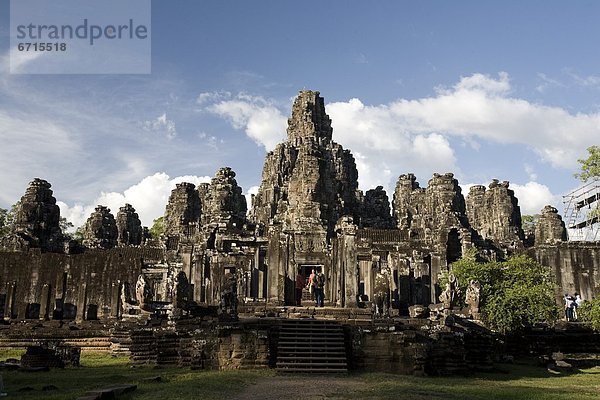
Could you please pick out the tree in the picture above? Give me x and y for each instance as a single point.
(65, 225)
(6, 220)
(589, 312)
(590, 167)
(515, 294)
(158, 227)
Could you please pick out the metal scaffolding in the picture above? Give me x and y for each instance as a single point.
(583, 223)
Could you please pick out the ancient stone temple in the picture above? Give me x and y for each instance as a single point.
(308, 215)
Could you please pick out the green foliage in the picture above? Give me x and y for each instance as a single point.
(65, 225)
(78, 235)
(158, 227)
(589, 312)
(514, 294)
(590, 167)
(6, 220)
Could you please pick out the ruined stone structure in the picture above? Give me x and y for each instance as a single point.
(129, 227)
(36, 223)
(308, 215)
(100, 230)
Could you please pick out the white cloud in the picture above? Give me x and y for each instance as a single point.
(415, 135)
(530, 171)
(477, 107)
(149, 197)
(212, 97)
(262, 121)
(533, 197)
(162, 124)
(252, 190)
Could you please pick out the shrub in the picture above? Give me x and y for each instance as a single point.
(515, 294)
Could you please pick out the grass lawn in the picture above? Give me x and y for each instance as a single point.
(98, 371)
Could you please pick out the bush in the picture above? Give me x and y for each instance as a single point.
(589, 312)
(515, 294)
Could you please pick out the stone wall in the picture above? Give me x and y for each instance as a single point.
(576, 266)
(38, 285)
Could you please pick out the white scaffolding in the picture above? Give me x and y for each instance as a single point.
(582, 225)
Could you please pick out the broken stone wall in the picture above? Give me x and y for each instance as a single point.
(39, 285)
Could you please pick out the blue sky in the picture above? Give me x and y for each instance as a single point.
(485, 90)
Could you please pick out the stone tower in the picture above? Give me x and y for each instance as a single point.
(495, 214)
(184, 208)
(222, 200)
(100, 230)
(550, 228)
(129, 227)
(308, 181)
(37, 217)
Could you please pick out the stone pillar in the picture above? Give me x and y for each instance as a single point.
(81, 302)
(115, 299)
(11, 294)
(45, 302)
(436, 268)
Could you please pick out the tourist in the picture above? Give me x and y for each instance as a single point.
(577, 300)
(569, 301)
(300, 283)
(312, 284)
(320, 289)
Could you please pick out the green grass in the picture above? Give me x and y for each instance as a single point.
(98, 371)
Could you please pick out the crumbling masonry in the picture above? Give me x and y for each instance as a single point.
(308, 215)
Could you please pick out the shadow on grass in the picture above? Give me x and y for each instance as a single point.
(512, 381)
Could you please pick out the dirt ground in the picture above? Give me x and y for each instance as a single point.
(300, 387)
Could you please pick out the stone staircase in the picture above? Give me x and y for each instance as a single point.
(311, 346)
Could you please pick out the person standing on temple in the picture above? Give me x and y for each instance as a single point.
(300, 283)
(312, 284)
(320, 289)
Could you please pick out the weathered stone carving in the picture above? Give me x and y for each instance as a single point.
(473, 298)
(143, 292)
(550, 228)
(381, 293)
(129, 227)
(376, 210)
(451, 294)
(228, 304)
(36, 220)
(183, 209)
(223, 201)
(100, 230)
(309, 181)
(495, 214)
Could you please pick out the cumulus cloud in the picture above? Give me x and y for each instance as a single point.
(533, 197)
(260, 118)
(415, 135)
(149, 198)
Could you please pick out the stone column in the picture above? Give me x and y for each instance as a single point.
(45, 302)
(115, 299)
(9, 306)
(81, 302)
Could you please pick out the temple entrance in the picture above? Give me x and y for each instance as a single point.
(453, 247)
(306, 269)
